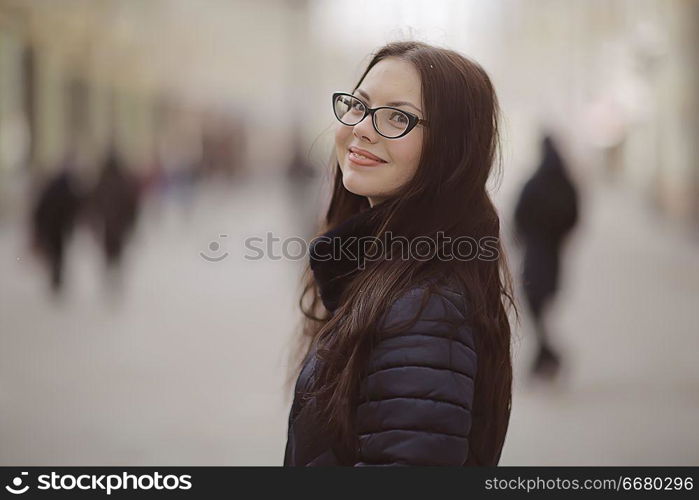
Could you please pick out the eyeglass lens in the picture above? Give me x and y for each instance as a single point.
(389, 122)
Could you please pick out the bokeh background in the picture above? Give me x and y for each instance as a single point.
(219, 114)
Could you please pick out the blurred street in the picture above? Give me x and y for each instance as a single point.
(626, 321)
(148, 148)
(152, 377)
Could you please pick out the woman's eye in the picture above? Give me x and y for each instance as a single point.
(357, 106)
(399, 118)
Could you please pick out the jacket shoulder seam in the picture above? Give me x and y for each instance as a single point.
(420, 366)
(461, 406)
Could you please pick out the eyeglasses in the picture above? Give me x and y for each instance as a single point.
(391, 123)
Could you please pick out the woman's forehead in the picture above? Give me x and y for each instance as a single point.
(392, 79)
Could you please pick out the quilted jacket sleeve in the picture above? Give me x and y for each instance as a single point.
(415, 401)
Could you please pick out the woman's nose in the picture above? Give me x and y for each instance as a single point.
(365, 130)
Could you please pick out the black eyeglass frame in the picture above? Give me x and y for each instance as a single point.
(413, 120)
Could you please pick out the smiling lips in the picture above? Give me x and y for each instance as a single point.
(363, 157)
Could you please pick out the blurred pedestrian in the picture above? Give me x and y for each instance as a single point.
(302, 186)
(53, 218)
(546, 212)
(113, 209)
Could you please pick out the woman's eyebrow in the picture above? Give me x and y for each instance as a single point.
(393, 103)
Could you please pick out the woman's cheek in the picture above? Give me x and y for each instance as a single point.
(341, 136)
(407, 155)
(342, 142)
(415, 151)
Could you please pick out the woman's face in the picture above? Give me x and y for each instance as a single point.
(391, 80)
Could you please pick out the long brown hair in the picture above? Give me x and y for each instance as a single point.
(448, 194)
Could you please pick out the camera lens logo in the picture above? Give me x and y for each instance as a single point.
(214, 247)
(16, 488)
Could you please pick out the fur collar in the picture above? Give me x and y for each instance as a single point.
(335, 256)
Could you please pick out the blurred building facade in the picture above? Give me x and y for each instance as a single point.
(174, 83)
(618, 79)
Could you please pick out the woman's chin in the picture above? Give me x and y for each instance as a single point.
(356, 186)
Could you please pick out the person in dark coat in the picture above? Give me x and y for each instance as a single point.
(405, 354)
(114, 209)
(418, 394)
(546, 212)
(53, 219)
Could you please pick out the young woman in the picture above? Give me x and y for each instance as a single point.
(406, 334)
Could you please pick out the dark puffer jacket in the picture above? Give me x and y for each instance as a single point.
(415, 403)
